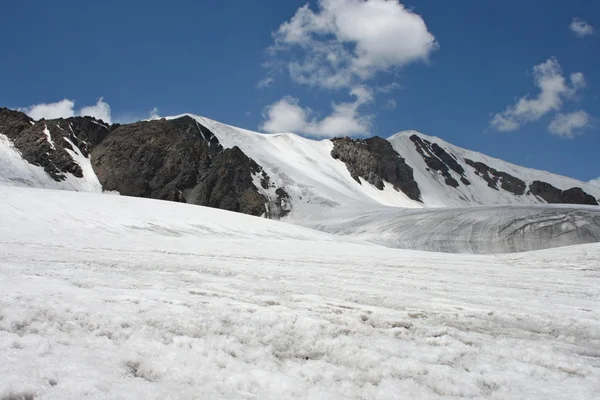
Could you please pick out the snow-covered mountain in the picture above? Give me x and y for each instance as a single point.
(357, 188)
(445, 175)
(197, 160)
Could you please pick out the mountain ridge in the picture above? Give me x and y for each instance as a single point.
(193, 159)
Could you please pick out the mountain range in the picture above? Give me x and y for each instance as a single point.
(373, 188)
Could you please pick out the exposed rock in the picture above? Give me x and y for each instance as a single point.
(447, 158)
(45, 142)
(552, 194)
(376, 161)
(227, 184)
(426, 149)
(492, 177)
(178, 160)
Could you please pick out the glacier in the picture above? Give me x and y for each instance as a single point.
(118, 297)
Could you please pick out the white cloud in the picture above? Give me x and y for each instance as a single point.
(595, 182)
(554, 89)
(60, 109)
(581, 28)
(101, 110)
(391, 104)
(565, 125)
(286, 115)
(346, 42)
(66, 109)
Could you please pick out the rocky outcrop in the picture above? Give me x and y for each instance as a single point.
(554, 195)
(492, 177)
(439, 160)
(177, 160)
(45, 142)
(376, 161)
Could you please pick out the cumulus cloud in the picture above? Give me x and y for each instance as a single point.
(595, 182)
(342, 44)
(567, 125)
(349, 40)
(66, 109)
(60, 109)
(581, 28)
(554, 89)
(286, 115)
(101, 110)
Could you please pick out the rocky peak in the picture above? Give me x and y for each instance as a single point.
(178, 160)
(376, 161)
(47, 143)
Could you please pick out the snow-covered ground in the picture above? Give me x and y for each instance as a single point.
(114, 297)
(479, 230)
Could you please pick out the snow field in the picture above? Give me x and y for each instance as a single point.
(116, 297)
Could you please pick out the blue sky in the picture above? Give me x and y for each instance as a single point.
(518, 80)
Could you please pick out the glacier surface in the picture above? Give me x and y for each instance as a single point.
(114, 297)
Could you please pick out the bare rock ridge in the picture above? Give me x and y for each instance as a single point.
(442, 161)
(45, 142)
(376, 161)
(437, 159)
(492, 177)
(178, 160)
(554, 195)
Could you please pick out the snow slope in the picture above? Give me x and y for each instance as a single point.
(319, 184)
(436, 193)
(316, 182)
(479, 230)
(116, 297)
(15, 171)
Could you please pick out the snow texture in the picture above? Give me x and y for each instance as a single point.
(479, 230)
(120, 298)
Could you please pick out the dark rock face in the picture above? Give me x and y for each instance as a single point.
(552, 194)
(439, 160)
(492, 177)
(45, 142)
(375, 160)
(177, 160)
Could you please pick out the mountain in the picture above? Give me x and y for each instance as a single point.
(196, 160)
(372, 189)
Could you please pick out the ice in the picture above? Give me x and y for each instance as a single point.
(480, 230)
(117, 297)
